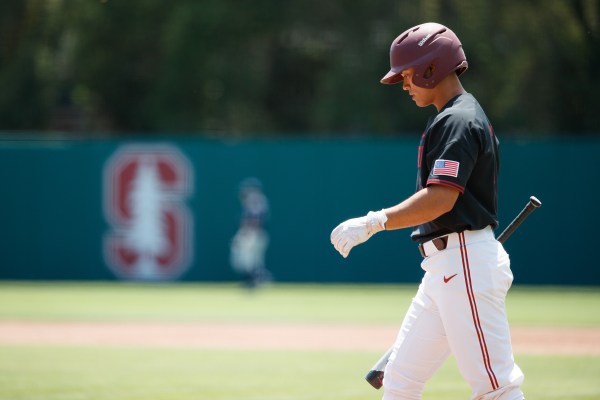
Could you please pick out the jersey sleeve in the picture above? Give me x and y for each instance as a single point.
(453, 160)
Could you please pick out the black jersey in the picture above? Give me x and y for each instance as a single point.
(459, 150)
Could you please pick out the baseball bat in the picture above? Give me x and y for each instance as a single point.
(375, 375)
(532, 204)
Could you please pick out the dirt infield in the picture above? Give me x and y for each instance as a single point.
(526, 340)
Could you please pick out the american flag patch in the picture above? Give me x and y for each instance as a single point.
(446, 167)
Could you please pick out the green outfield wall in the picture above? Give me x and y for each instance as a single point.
(93, 209)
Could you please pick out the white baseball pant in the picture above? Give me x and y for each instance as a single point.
(459, 309)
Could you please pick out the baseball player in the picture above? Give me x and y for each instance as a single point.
(459, 306)
(249, 245)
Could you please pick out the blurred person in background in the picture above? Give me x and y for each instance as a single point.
(249, 244)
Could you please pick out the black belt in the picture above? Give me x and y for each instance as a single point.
(440, 243)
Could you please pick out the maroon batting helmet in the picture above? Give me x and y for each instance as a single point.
(424, 46)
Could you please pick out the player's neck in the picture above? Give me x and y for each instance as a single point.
(447, 89)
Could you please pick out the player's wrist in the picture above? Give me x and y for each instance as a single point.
(376, 221)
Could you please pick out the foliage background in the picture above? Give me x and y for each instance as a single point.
(266, 67)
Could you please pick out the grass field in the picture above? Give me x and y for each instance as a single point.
(68, 372)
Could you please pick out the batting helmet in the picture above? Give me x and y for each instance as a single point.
(433, 50)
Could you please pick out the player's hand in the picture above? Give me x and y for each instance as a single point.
(356, 231)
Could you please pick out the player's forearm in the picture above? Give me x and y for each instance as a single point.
(424, 206)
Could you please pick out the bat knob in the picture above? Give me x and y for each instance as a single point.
(375, 378)
(534, 200)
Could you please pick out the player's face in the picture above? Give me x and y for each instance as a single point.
(422, 97)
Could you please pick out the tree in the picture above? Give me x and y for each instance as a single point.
(234, 68)
(147, 233)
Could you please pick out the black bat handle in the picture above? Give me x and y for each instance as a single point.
(529, 208)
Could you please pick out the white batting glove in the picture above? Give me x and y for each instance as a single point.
(356, 231)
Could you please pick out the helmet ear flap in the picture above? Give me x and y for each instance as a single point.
(429, 71)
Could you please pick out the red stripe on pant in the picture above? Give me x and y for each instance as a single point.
(474, 312)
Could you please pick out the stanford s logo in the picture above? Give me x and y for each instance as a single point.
(151, 229)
